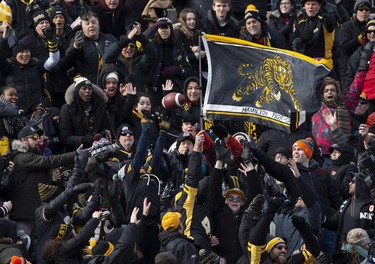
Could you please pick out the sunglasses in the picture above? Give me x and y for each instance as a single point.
(34, 137)
(129, 133)
(370, 31)
(362, 103)
(364, 9)
(234, 199)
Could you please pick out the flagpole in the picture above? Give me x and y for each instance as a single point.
(200, 80)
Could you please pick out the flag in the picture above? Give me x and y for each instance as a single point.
(268, 86)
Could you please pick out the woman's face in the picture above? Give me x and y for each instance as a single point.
(85, 93)
(144, 103)
(10, 95)
(285, 6)
(164, 32)
(191, 21)
(23, 57)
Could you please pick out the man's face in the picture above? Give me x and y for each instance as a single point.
(335, 154)
(126, 140)
(42, 25)
(254, 27)
(234, 202)
(281, 158)
(221, 10)
(299, 155)
(23, 57)
(329, 92)
(186, 146)
(10, 95)
(278, 254)
(312, 8)
(112, 4)
(361, 107)
(59, 21)
(370, 33)
(91, 28)
(363, 13)
(85, 93)
(110, 87)
(31, 141)
(192, 91)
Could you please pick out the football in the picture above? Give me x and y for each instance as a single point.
(173, 100)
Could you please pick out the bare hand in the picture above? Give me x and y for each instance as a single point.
(132, 33)
(246, 167)
(214, 241)
(330, 119)
(146, 207)
(128, 89)
(199, 139)
(168, 85)
(133, 217)
(10, 166)
(293, 167)
(96, 214)
(137, 26)
(363, 130)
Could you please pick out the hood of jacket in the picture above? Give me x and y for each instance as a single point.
(97, 94)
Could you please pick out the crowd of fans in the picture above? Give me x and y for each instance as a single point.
(95, 169)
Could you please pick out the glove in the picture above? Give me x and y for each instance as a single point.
(256, 204)
(366, 56)
(169, 71)
(146, 124)
(362, 39)
(183, 156)
(221, 151)
(306, 34)
(164, 123)
(123, 41)
(81, 188)
(298, 222)
(254, 146)
(87, 141)
(147, 114)
(220, 131)
(78, 39)
(81, 158)
(246, 153)
(49, 33)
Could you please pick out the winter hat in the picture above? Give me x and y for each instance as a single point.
(112, 75)
(252, 12)
(370, 23)
(304, 1)
(102, 149)
(56, 10)
(8, 229)
(184, 136)
(17, 260)
(165, 258)
(39, 16)
(47, 192)
(123, 130)
(170, 221)
(208, 257)
(371, 129)
(102, 248)
(80, 81)
(358, 236)
(65, 173)
(307, 145)
(360, 3)
(370, 120)
(164, 22)
(273, 241)
(28, 131)
(283, 151)
(234, 191)
(20, 47)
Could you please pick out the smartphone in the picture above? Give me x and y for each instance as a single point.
(11, 38)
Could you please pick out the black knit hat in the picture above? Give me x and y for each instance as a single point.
(56, 10)
(283, 151)
(39, 16)
(184, 136)
(252, 12)
(20, 47)
(360, 3)
(165, 258)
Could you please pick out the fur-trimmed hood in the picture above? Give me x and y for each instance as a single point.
(70, 93)
(19, 146)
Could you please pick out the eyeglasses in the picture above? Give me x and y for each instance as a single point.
(34, 137)
(362, 102)
(234, 199)
(129, 133)
(370, 31)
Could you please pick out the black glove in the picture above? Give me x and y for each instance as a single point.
(164, 122)
(298, 222)
(365, 56)
(220, 131)
(123, 42)
(78, 39)
(87, 141)
(306, 34)
(183, 156)
(253, 146)
(221, 151)
(256, 204)
(81, 188)
(49, 33)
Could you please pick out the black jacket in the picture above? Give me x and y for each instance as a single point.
(210, 25)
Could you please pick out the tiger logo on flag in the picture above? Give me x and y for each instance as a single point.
(273, 75)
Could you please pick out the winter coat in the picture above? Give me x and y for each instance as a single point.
(31, 168)
(284, 24)
(7, 250)
(179, 246)
(75, 124)
(349, 33)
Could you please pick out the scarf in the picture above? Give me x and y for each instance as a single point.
(343, 121)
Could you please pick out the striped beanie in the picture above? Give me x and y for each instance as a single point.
(47, 192)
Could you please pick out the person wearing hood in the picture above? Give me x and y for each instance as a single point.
(113, 17)
(283, 18)
(355, 212)
(258, 31)
(85, 114)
